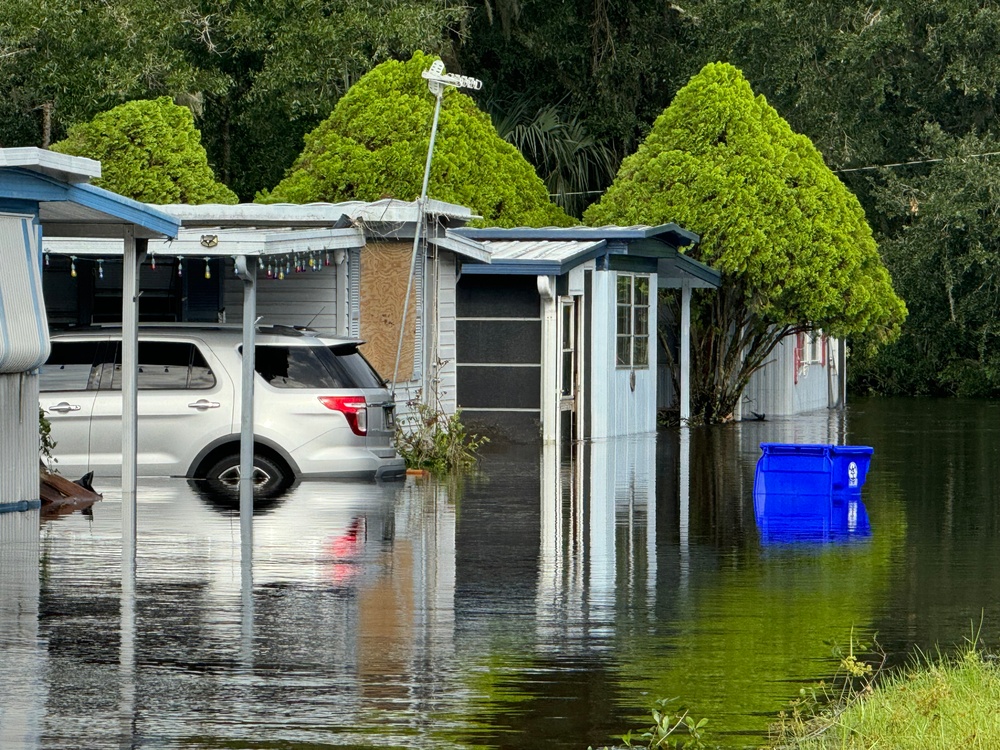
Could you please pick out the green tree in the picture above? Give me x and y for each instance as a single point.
(286, 63)
(150, 151)
(63, 61)
(943, 251)
(374, 144)
(568, 159)
(791, 241)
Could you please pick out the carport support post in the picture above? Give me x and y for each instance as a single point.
(247, 270)
(685, 395)
(133, 253)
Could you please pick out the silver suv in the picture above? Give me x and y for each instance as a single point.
(320, 410)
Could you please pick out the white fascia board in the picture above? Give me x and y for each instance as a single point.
(63, 167)
(388, 211)
(222, 242)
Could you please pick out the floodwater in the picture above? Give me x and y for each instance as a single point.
(545, 603)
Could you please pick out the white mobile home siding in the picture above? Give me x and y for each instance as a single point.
(24, 662)
(445, 326)
(19, 483)
(307, 298)
(617, 409)
(778, 390)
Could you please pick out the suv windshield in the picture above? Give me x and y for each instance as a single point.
(315, 367)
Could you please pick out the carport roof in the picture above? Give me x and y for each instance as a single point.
(554, 251)
(55, 185)
(385, 211)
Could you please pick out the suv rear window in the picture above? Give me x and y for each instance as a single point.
(315, 367)
(165, 366)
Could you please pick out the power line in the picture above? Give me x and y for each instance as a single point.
(847, 169)
(915, 161)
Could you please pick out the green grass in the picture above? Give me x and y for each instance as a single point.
(936, 703)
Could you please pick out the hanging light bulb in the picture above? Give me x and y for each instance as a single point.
(46, 260)
(326, 260)
(208, 270)
(270, 271)
(100, 269)
(180, 266)
(152, 262)
(72, 266)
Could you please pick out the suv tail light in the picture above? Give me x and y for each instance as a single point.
(352, 407)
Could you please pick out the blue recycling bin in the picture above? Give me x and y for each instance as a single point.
(811, 490)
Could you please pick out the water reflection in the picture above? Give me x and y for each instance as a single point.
(544, 604)
(22, 664)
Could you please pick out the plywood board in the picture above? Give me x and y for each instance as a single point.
(385, 270)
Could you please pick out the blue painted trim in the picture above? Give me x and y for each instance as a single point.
(15, 206)
(24, 185)
(20, 506)
(513, 268)
(130, 211)
(668, 232)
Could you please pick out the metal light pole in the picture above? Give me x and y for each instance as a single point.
(437, 81)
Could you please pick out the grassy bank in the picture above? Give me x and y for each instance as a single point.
(940, 703)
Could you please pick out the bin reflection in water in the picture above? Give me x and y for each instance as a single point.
(810, 492)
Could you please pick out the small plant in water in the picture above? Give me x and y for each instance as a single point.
(438, 442)
(673, 727)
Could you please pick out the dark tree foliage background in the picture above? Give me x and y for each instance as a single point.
(576, 85)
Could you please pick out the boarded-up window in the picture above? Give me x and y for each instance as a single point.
(385, 269)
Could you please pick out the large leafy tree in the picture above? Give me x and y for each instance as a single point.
(149, 150)
(63, 61)
(374, 145)
(792, 242)
(284, 65)
(943, 250)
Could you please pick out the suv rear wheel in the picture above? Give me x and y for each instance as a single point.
(269, 477)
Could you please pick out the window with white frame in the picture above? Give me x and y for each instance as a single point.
(632, 345)
(814, 348)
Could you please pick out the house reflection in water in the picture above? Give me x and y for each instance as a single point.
(598, 535)
(22, 664)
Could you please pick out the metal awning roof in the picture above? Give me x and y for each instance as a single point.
(218, 242)
(668, 233)
(529, 257)
(385, 211)
(56, 186)
(553, 251)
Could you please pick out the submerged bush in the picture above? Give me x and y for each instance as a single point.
(437, 441)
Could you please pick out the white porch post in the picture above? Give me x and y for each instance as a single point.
(685, 394)
(247, 271)
(550, 359)
(131, 259)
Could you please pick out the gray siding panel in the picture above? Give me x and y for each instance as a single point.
(24, 331)
(308, 298)
(19, 482)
